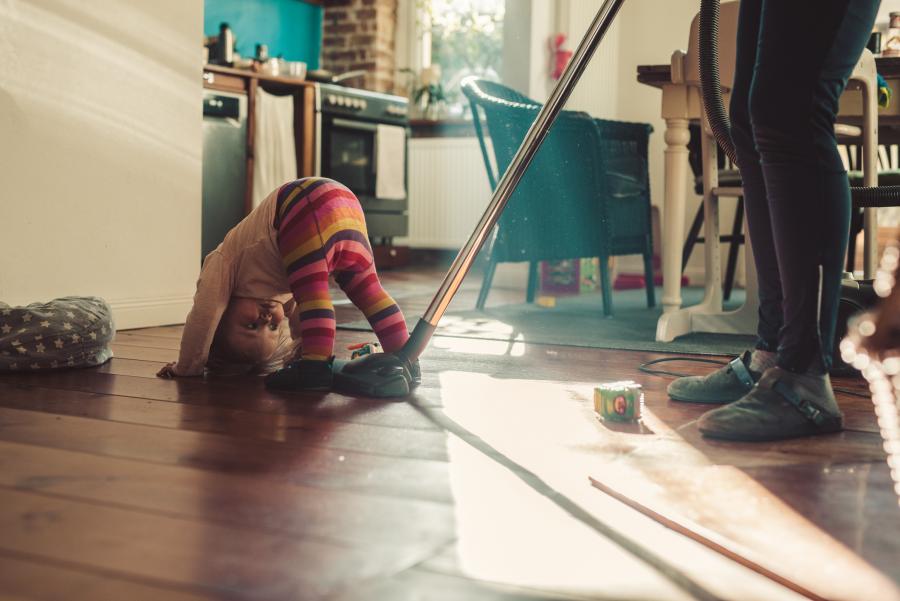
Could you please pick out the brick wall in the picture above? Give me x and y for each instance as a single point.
(360, 34)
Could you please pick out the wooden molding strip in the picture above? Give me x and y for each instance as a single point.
(708, 539)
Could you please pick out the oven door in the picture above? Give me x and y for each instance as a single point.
(348, 156)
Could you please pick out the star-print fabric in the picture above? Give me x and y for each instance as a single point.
(73, 331)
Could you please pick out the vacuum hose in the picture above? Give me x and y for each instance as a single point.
(710, 80)
(714, 106)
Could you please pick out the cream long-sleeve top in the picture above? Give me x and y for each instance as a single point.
(246, 264)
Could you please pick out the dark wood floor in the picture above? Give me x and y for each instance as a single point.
(117, 485)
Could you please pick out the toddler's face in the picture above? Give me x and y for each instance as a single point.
(251, 328)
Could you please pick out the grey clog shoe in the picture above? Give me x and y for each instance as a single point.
(781, 405)
(724, 385)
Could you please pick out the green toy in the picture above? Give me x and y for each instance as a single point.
(619, 401)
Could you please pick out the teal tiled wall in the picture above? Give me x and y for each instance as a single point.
(291, 28)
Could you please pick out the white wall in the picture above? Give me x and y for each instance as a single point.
(884, 11)
(100, 149)
(527, 27)
(596, 92)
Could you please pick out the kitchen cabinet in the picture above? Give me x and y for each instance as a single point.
(224, 163)
(239, 81)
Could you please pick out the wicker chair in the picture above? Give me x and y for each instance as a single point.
(586, 193)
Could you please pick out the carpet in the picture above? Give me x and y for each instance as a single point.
(579, 321)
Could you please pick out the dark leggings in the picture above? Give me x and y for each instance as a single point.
(793, 61)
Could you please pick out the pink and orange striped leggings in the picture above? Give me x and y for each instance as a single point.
(321, 231)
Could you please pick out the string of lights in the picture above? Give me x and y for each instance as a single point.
(880, 364)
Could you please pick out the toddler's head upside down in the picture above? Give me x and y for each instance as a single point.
(251, 336)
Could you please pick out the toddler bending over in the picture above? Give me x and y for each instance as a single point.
(276, 263)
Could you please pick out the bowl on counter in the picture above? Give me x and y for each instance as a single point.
(279, 67)
(295, 69)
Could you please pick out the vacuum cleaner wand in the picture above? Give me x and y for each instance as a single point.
(536, 134)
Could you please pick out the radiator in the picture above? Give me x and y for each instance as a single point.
(448, 191)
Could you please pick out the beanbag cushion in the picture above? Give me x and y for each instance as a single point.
(73, 331)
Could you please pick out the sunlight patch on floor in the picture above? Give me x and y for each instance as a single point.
(550, 429)
(508, 533)
(475, 346)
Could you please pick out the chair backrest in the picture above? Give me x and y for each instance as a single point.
(566, 204)
(478, 91)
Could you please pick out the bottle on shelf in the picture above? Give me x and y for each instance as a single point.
(225, 45)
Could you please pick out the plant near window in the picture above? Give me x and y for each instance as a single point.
(428, 93)
(466, 39)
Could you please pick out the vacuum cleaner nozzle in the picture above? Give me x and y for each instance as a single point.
(380, 375)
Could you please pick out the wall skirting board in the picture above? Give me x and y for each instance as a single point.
(150, 311)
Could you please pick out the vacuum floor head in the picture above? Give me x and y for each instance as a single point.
(380, 375)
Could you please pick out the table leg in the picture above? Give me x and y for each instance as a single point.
(677, 137)
(708, 315)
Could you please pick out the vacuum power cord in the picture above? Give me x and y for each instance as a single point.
(645, 368)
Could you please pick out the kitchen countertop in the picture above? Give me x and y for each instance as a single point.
(269, 82)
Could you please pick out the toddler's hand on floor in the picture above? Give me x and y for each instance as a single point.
(167, 372)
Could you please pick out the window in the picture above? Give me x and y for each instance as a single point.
(459, 38)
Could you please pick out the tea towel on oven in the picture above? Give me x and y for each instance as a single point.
(275, 158)
(390, 162)
(73, 331)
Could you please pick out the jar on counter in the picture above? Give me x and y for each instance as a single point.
(892, 42)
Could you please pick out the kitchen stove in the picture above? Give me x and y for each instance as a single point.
(350, 125)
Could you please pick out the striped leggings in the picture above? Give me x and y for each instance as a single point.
(321, 231)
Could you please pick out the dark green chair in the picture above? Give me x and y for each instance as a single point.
(586, 193)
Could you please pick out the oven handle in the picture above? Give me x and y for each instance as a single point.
(353, 124)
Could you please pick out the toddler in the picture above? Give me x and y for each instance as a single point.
(276, 263)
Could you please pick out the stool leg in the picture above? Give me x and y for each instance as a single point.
(856, 224)
(648, 274)
(736, 233)
(692, 236)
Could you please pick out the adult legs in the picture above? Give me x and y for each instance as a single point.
(800, 72)
(736, 379)
(756, 204)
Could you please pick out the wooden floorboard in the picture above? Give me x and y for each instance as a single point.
(202, 556)
(410, 584)
(233, 499)
(137, 338)
(291, 430)
(37, 579)
(144, 353)
(264, 459)
(117, 484)
(244, 394)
